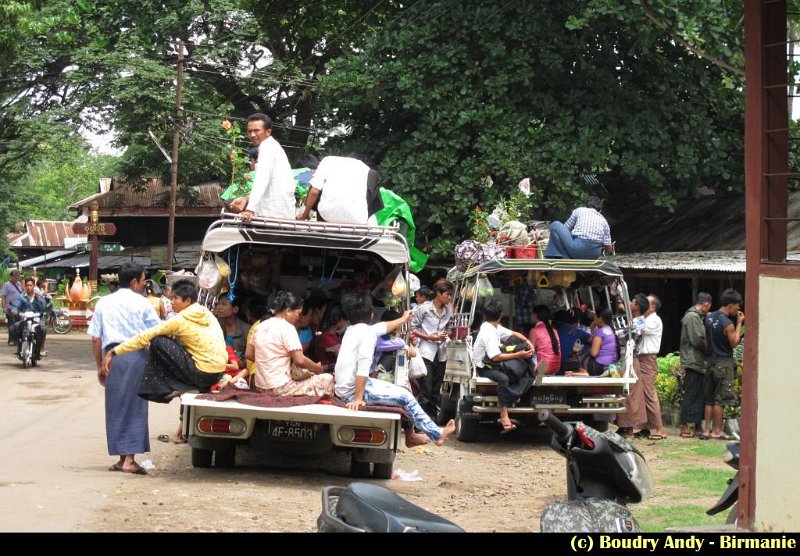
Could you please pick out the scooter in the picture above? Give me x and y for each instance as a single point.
(604, 472)
(729, 498)
(28, 341)
(370, 508)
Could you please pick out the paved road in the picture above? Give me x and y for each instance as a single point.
(53, 462)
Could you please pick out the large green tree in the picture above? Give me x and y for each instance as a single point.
(550, 90)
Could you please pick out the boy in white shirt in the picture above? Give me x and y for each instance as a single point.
(353, 384)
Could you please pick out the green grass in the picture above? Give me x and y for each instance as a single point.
(679, 449)
(656, 518)
(700, 481)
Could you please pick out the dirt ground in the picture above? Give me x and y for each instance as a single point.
(54, 477)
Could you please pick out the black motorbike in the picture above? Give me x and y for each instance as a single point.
(729, 498)
(57, 319)
(604, 472)
(370, 508)
(28, 339)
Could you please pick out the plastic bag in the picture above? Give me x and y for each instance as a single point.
(416, 367)
(209, 276)
(399, 287)
(485, 288)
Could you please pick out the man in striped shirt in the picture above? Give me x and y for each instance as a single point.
(585, 235)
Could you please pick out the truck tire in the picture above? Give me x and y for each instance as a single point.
(201, 458)
(225, 457)
(382, 470)
(466, 422)
(359, 469)
(447, 407)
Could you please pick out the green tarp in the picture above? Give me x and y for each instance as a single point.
(394, 209)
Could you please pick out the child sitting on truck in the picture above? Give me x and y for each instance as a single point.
(352, 382)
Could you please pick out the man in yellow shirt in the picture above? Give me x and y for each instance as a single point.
(194, 359)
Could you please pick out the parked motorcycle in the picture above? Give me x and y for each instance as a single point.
(729, 498)
(28, 340)
(57, 319)
(604, 472)
(370, 508)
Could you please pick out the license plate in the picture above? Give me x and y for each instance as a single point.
(548, 398)
(293, 430)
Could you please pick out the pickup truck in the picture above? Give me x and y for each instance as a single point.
(298, 256)
(472, 399)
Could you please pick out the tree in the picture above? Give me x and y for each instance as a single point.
(525, 89)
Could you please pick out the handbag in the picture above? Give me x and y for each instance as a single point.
(515, 369)
(300, 374)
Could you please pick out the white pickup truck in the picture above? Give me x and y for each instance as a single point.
(308, 254)
(472, 399)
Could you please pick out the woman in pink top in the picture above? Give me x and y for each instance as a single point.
(544, 339)
(275, 346)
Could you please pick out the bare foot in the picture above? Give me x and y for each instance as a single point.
(576, 373)
(416, 439)
(448, 429)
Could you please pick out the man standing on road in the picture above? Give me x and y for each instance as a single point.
(693, 361)
(11, 291)
(273, 186)
(648, 365)
(117, 318)
(723, 332)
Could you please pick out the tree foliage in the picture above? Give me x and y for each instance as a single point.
(549, 90)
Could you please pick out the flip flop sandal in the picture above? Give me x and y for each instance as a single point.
(115, 467)
(508, 429)
(137, 471)
(163, 438)
(687, 434)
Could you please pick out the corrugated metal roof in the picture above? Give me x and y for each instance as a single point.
(706, 224)
(126, 199)
(687, 261)
(43, 234)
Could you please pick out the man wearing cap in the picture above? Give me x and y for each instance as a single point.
(585, 235)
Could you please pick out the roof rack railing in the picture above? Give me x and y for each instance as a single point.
(233, 219)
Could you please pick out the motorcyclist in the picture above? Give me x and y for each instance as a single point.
(29, 301)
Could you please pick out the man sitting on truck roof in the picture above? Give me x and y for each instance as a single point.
(353, 384)
(585, 235)
(273, 184)
(343, 190)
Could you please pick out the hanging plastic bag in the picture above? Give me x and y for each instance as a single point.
(485, 288)
(399, 287)
(416, 367)
(208, 275)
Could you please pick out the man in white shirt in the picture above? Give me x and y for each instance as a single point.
(273, 186)
(338, 191)
(648, 369)
(487, 344)
(353, 384)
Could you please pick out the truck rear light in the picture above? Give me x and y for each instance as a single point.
(217, 425)
(361, 435)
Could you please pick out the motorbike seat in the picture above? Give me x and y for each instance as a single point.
(377, 509)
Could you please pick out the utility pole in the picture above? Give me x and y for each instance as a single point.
(176, 139)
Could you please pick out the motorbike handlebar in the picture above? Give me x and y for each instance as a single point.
(561, 430)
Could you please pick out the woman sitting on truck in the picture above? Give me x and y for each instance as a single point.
(544, 339)
(276, 346)
(603, 350)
